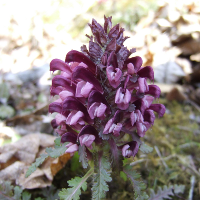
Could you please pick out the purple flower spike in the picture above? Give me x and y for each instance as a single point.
(122, 100)
(114, 77)
(76, 56)
(82, 73)
(102, 94)
(159, 108)
(57, 64)
(130, 149)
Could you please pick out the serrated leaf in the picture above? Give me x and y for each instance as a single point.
(50, 193)
(83, 156)
(26, 195)
(145, 148)
(103, 175)
(57, 151)
(6, 111)
(6, 190)
(36, 164)
(166, 192)
(144, 196)
(138, 186)
(77, 183)
(17, 192)
(57, 142)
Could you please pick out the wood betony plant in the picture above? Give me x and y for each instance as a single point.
(104, 107)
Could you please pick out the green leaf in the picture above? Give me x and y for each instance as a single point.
(26, 195)
(102, 176)
(76, 184)
(50, 193)
(6, 111)
(138, 186)
(6, 190)
(58, 150)
(166, 192)
(17, 192)
(144, 196)
(36, 164)
(83, 156)
(52, 152)
(145, 148)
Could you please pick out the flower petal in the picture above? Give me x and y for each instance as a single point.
(82, 73)
(146, 72)
(60, 118)
(154, 90)
(101, 110)
(159, 108)
(149, 116)
(60, 80)
(96, 96)
(136, 61)
(117, 129)
(87, 140)
(56, 90)
(69, 137)
(73, 148)
(88, 129)
(55, 107)
(143, 86)
(76, 56)
(86, 89)
(57, 64)
(71, 103)
(64, 94)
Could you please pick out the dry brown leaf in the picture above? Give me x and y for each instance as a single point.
(176, 94)
(59, 163)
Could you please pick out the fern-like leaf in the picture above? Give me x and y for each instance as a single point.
(100, 186)
(83, 156)
(52, 152)
(166, 192)
(9, 192)
(138, 185)
(76, 184)
(36, 164)
(145, 148)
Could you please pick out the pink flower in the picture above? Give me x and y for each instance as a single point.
(122, 99)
